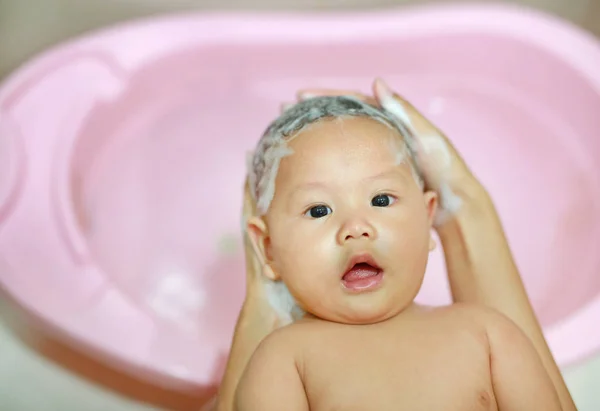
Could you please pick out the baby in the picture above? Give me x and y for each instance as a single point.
(344, 226)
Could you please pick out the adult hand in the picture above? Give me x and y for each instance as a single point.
(256, 292)
(440, 164)
(257, 318)
(253, 269)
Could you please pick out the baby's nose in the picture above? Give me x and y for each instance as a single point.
(356, 229)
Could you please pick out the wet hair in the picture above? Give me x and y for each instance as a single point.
(264, 162)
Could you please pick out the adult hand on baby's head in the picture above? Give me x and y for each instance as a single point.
(256, 320)
(257, 299)
(254, 286)
(440, 164)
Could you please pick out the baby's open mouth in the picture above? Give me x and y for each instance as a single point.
(360, 271)
(363, 274)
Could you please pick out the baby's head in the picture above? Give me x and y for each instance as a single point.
(343, 219)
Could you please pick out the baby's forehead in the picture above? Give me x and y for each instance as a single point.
(356, 145)
(319, 127)
(351, 129)
(343, 136)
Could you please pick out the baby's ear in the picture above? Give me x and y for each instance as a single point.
(259, 238)
(431, 205)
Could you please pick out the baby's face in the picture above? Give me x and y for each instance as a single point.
(342, 197)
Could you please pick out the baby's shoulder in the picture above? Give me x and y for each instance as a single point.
(473, 313)
(472, 317)
(289, 340)
(484, 316)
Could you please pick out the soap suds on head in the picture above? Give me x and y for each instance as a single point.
(399, 147)
(450, 203)
(272, 146)
(437, 150)
(436, 147)
(393, 106)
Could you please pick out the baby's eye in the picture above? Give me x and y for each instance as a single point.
(382, 200)
(318, 211)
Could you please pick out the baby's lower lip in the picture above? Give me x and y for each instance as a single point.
(364, 284)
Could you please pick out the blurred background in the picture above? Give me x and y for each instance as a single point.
(28, 26)
(52, 376)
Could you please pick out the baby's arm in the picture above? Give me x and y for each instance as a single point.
(271, 381)
(519, 378)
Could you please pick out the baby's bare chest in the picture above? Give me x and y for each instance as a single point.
(382, 371)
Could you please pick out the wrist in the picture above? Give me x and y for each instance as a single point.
(475, 247)
(473, 192)
(257, 314)
(476, 207)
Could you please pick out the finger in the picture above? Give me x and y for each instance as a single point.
(428, 138)
(249, 206)
(310, 93)
(402, 109)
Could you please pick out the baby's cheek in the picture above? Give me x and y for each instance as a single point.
(404, 235)
(302, 265)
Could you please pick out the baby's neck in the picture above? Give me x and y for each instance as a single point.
(412, 308)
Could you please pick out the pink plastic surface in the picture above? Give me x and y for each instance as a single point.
(122, 161)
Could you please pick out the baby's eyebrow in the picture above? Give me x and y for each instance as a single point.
(387, 174)
(392, 173)
(308, 186)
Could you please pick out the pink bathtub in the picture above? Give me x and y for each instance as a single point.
(122, 159)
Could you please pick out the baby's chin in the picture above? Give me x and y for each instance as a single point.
(357, 315)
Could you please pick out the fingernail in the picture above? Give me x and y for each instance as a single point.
(388, 99)
(385, 93)
(383, 86)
